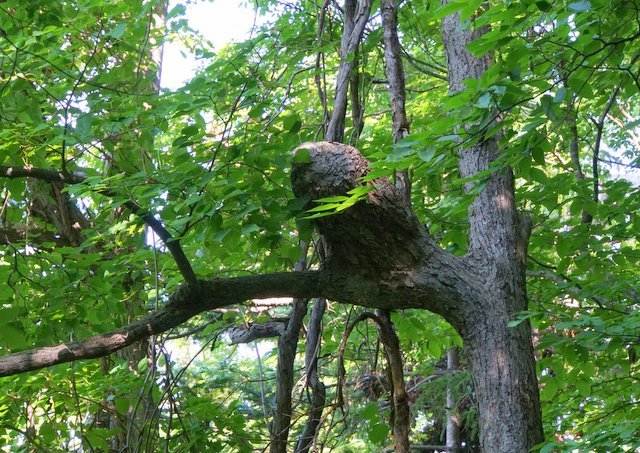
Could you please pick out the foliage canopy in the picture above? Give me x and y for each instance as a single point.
(78, 94)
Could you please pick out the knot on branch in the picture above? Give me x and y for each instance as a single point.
(376, 235)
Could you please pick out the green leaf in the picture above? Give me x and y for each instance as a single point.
(378, 433)
(14, 338)
(435, 348)
(335, 199)
(537, 152)
(302, 156)
(370, 412)
(122, 405)
(584, 387)
(565, 247)
(47, 433)
(484, 101)
(118, 30)
(560, 95)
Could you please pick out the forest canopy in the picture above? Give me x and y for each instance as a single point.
(375, 226)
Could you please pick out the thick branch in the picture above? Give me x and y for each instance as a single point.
(378, 256)
(184, 304)
(380, 239)
(65, 177)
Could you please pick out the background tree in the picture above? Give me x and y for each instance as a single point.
(540, 120)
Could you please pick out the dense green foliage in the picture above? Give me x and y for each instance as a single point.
(212, 158)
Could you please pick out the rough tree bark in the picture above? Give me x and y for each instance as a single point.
(396, 81)
(287, 348)
(380, 256)
(453, 417)
(355, 19)
(400, 410)
(502, 359)
(315, 385)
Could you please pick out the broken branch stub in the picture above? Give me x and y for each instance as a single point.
(376, 235)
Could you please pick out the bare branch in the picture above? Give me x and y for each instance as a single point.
(257, 331)
(599, 123)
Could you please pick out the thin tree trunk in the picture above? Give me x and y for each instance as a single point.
(317, 388)
(355, 19)
(401, 412)
(287, 348)
(396, 80)
(574, 149)
(453, 417)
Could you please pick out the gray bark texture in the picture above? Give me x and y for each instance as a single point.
(315, 385)
(502, 359)
(355, 19)
(287, 348)
(453, 417)
(401, 412)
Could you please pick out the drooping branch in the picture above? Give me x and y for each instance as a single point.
(400, 409)
(172, 244)
(341, 398)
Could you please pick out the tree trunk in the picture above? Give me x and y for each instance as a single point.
(355, 18)
(400, 410)
(453, 417)
(502, 360)
(314, 384)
